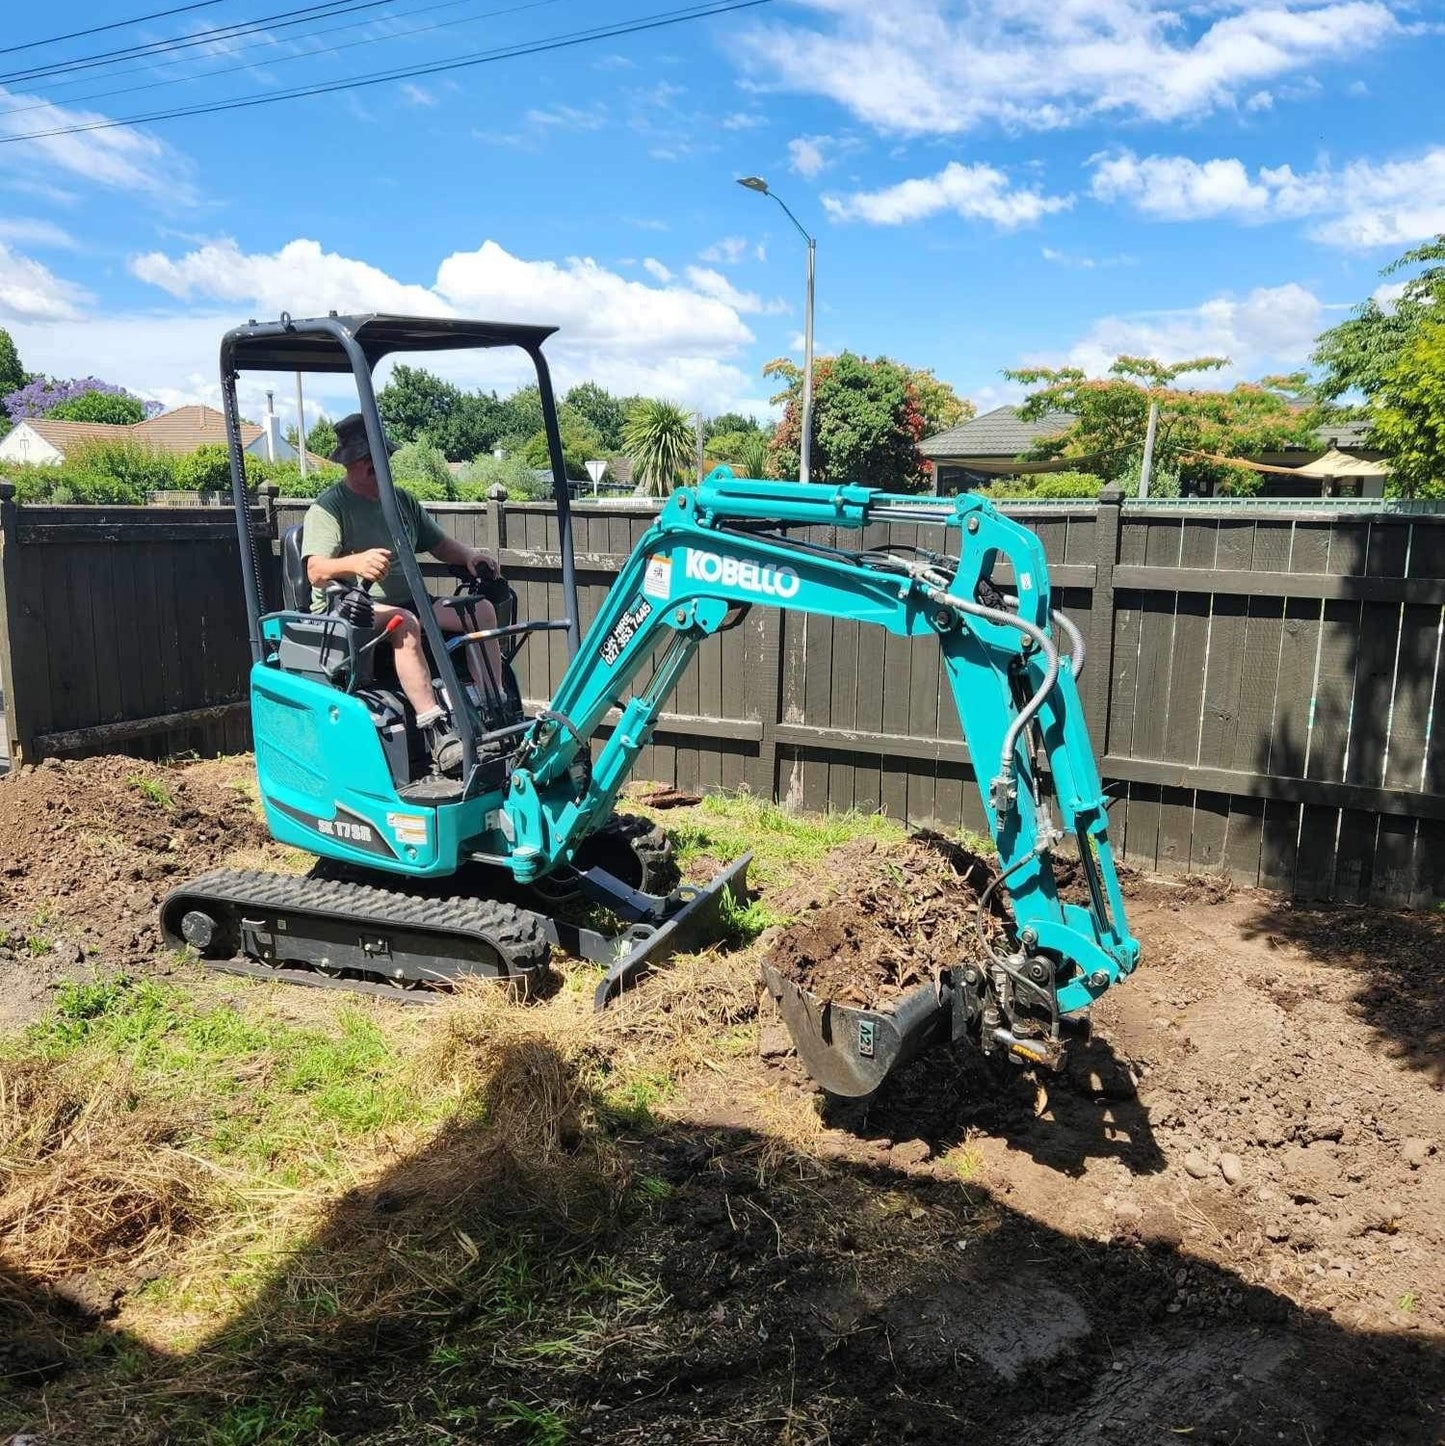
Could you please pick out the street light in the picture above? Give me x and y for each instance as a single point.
(756, 183)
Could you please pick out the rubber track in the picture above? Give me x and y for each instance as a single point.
(514, 932)
(649, 844)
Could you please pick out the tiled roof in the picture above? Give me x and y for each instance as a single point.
(999, 433)
(65, 435)
(187, 428)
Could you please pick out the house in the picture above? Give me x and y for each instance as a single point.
(977, 452)
(45, 442)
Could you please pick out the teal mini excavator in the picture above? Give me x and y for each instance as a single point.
(423, 879)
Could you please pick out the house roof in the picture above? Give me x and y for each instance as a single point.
(65, 435)
(999, 433)
(187, 428)
(1354, 433)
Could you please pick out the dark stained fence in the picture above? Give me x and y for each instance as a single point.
(1264, 686)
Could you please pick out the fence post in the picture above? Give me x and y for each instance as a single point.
(1101, 630)
(497, 516)
(266, 495)
(21, 747)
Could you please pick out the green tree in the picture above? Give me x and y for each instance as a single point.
(580, 443)
(12, 374)
(118, 408)
(866, 423)
(660, 439)
(512, 474)
(422, 469)
(1112, 416)
(1358, 354)
(415, 401)
(1409, 415)
(320, 437)
(520, 413)
(603, 412)
(727, 423)
(745, 452)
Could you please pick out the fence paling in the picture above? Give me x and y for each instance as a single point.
(1265, 685)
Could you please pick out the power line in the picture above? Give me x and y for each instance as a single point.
(282, 20)
(487, 57)
(114, 25)
(317, 51)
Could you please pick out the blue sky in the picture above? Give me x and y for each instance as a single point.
(991, 182)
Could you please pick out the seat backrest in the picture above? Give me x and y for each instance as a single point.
(295, 585)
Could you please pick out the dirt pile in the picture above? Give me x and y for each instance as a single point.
(889, 925)
(87, 848)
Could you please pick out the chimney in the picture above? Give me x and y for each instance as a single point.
(272, 428)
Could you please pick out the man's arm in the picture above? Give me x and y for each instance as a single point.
(325, 561)
(458, 554)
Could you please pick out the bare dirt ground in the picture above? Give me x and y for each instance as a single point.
(1224, 1222)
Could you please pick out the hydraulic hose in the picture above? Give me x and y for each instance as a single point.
(1076, 654)
(1002, 790)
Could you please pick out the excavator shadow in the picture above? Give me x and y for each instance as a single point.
(1087, 1111)
(542, 1264)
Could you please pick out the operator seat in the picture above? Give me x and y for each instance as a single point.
(295, 585)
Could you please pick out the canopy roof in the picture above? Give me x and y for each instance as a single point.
(313, 345)
(1340, 464)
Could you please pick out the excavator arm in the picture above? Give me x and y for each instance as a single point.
(722, 548)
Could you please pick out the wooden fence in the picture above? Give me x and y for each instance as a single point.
(1264, 686)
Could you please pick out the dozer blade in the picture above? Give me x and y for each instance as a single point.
(850, 1052)
(692, 916)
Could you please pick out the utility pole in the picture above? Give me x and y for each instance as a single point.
(1147, 470)
(805, 449)
(701, 460)
(300, 425)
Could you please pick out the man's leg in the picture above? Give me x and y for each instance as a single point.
(488, 687)
(414, 676)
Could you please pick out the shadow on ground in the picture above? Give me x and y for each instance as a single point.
(625, 1284)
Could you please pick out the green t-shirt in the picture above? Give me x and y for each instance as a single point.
(339, 523)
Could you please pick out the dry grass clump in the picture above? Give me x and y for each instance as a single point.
(89, 1178)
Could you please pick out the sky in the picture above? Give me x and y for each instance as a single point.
(991, 183)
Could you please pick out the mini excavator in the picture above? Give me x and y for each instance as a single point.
(422, 880)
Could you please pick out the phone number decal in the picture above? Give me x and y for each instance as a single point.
(625, 631)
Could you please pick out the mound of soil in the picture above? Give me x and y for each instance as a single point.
(87, 848)
(890, 927)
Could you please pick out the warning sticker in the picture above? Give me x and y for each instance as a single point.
(407, 828)
(657, 580)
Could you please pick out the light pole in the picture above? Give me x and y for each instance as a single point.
(805, 452)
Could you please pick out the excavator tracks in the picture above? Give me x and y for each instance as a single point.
(339, 934)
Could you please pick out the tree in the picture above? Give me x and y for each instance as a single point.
(603, 412)
(1112, 416)
(1409, 414)
(1358, 354)
(520, 414)
(580, 443)
(320, 437)
(415, 401)
(941, 406)
(660, 439)
(118, 408)
(745, 452)
(12, 374)
(727, 423)
(867, 423)
(40, 396)
(422, 469)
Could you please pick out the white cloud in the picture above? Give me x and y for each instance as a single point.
(418, 94)
(29, 232)
(1271, 329)
(32, 292)
(671, 340)
(805, 155)
(977, 192)
(743, 120)
(727, 252)
(1363, 203)
(1081, 262)
(921, 67)
(656, 269)
(122, 158)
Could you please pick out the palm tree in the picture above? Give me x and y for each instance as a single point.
(659, 438)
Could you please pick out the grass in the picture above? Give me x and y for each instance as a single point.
(153, 789)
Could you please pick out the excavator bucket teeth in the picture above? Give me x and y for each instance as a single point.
(693, 921)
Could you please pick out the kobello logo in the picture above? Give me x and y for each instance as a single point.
(779, 582)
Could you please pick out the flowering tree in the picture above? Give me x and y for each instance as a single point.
(81, 399)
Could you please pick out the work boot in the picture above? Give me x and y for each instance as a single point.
(446, 751)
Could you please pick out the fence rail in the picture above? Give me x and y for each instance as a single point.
(1264, 688)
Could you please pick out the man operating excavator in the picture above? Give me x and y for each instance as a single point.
(345, 540)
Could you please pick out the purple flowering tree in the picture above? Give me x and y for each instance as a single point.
(56, 396)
